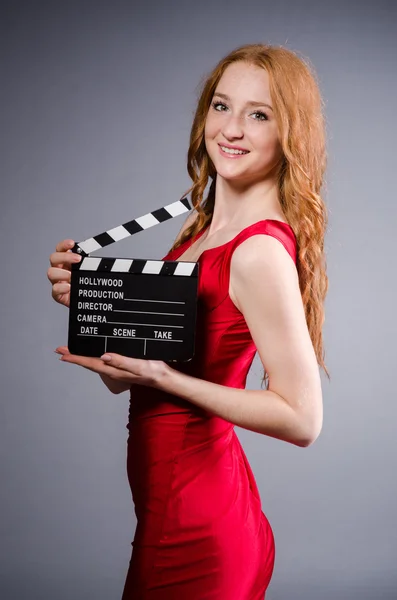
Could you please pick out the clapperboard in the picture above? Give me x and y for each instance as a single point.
(134, 307)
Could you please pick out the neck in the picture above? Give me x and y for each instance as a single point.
(235, 206)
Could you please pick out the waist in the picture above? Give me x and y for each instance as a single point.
(165, 429)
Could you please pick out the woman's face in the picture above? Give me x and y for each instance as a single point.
(241, 116)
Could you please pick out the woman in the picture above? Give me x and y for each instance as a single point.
(258, 134)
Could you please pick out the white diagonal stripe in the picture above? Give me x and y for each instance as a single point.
(176, 208)
(184, 268)
(147, 221)
(153, 267)
(121, 265)
(89, 245)
(118, 233)
(90, 263)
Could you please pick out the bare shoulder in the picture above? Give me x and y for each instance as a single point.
(263, 258)
(261, 255)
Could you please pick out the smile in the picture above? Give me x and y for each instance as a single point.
(232, 152)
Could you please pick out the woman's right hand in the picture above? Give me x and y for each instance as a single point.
(59, 273)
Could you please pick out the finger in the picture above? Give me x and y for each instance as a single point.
(84, 361)
(81, 361)
(62, 350)
(133, 365)
(97, 366)
(64, 258)
(60, 289)
(55, 275)
(64, 245)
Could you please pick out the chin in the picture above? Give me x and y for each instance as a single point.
(233, 176)
(233, 173)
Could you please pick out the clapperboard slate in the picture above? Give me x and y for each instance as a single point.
(134, 307)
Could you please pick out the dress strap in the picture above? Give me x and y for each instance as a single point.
(277, 229)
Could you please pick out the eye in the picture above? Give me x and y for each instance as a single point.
(216, 104)
(261, 114)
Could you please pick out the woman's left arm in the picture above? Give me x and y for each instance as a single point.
(265, 287)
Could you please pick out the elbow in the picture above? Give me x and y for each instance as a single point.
(118, 388)
(121, 390)
(309, 436)
(307, 441)
(311, 423)
(310, 429)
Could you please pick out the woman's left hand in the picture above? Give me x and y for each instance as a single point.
(120, 368)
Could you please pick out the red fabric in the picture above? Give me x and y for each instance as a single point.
(201, 533)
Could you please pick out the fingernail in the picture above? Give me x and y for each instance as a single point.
(57, 351)
(106, 357)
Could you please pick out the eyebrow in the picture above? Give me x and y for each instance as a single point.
(250, 103)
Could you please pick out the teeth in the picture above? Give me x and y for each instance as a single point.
(233, 151)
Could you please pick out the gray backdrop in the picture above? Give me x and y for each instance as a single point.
(97, 101)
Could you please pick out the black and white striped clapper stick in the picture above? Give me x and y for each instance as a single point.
(134, 307)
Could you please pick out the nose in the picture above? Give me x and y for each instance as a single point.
(232, 127)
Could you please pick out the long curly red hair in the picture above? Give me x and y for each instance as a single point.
(298, 109)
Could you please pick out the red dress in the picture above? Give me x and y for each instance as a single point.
(201, 533)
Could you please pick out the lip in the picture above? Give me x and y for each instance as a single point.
(233, 147)
(232, 156)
